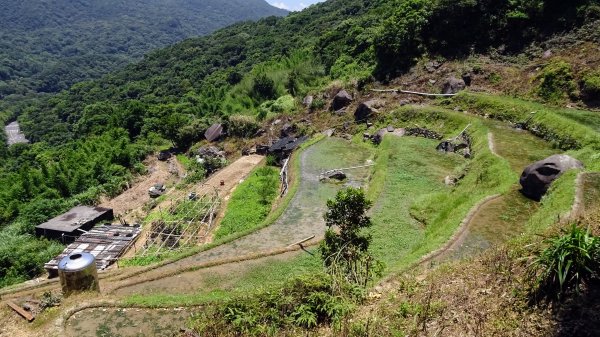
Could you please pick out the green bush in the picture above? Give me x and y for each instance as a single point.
(569, 261)
(556, 82)
(399, 41)
(22, 257)
(263, 87)
(591, 85)
(197, 172)
(284, 103)
(303, 302)
(242, 126)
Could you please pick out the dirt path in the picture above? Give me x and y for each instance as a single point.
(491, 144)
(302, 219)
(129, 204)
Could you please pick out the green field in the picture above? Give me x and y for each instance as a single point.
(250, 202)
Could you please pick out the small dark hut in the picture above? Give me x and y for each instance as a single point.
(284, 146)
(68, 226)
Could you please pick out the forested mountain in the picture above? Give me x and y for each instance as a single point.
(46, 46)
(89, 139)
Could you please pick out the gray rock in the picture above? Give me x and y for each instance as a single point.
(341, 100)
(537, 177)
(337, 175)
(432, 66)
(390, 128)
(288, 129)
(450, 181)
(547, 54)
(378, 137)
(467, 78)
(453, 85)
(367, 109)
(307, 101)
(329, 132)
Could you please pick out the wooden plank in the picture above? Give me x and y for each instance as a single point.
(413, 92)
(302, 241)
(28, 316)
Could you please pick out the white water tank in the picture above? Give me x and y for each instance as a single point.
(78, 273)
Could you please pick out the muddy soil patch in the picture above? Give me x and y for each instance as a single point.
(128, 322)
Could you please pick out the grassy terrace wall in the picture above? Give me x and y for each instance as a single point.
(416, 213)
(570, 130)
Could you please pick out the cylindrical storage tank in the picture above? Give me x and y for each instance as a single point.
(78, 273)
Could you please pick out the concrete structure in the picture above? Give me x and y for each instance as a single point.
(69, 226)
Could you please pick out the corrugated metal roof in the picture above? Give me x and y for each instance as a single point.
(75, 218)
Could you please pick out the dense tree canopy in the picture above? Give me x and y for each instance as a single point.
(46, 46)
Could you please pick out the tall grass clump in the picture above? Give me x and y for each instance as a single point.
(568, 263)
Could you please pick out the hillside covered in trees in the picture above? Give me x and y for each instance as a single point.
(46, 46)
(90, 139)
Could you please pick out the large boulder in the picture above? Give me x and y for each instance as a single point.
(367, 109)
(341, 100)
(537, 177)
(453, 85)
(333, 175)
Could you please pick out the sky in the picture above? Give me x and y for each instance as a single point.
(293, 5)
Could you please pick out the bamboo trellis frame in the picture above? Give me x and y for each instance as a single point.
(195, 224)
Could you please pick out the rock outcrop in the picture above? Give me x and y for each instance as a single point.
(308, 101)
(334, 175)
(367, 109)
(341, 100)
(453, 85)
(537, 177)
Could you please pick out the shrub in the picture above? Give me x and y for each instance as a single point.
(283, 104)
(303, 302)
(345, 251)
(591, 85)
(318, 103)
(242, 126)
(271, 160)
(556, 82)
(264, 87)
(569, 261)
(197, 171)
